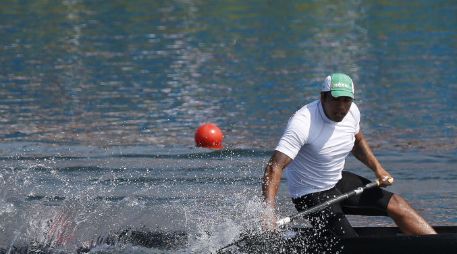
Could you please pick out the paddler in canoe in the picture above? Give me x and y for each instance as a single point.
(312, 153)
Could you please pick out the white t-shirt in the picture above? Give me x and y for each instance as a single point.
(318, 147)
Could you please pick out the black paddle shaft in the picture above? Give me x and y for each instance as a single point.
(329, 202)
(314, 209)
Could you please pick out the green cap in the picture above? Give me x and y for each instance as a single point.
(339, 84)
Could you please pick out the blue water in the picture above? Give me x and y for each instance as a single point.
(99, 102)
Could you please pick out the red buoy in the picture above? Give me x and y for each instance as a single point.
(208, 135)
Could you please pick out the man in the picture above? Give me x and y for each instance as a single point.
(312, 151)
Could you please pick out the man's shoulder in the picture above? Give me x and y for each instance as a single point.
(303, 115)
(354, 109)
(354, 106)
(308, 108)
(354, 112)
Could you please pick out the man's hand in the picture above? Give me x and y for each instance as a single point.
(269, 219)
(385, 179)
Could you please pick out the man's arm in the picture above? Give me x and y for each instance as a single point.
(272, 177)
(363, 153)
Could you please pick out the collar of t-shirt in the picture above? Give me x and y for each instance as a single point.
(323, 115)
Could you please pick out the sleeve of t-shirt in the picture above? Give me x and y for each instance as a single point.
(295, 135)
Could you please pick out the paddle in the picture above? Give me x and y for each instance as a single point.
(314, 209)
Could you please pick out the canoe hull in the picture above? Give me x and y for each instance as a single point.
(375, 240)
(371, 240)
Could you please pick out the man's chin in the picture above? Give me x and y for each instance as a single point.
(338, 119)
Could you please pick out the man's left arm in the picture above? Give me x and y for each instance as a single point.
(363, 153)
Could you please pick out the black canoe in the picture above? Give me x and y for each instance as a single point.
(371, 240)
(374, 240)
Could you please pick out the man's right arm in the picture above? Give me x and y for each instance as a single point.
(272, 177)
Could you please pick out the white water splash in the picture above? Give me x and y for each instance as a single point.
(215, 229)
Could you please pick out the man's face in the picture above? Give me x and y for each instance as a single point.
(336, 108)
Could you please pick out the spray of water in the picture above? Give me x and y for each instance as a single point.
(215, 229)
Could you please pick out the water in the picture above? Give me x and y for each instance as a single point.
(100, 101)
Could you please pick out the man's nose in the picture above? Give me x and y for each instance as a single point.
(342, 105)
